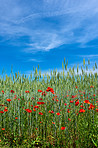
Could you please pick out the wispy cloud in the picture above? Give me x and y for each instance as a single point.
(71, 22)
(34, 60)
(88, 56)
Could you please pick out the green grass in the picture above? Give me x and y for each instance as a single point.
(37, 130)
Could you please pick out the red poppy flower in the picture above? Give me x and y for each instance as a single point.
(69, 119)
(40, 99)
(81, 111)
(65, 104)
(40, 103)
(5, 110)
(34, 109)
(94, 95)
(68, 111)
(58, 113)
(2, 91)
(36, 106)
(71, 101)
(62, 128)
(44, 94)
(29, 110)
(91, 106)
(3, 129)
(49, 89)
(76, 86)
(96, 109)
(51, 111)
(1, 112)
(53, 122)
(32, 98)
(12, 91)
(87, 101)
(40, 113)
(74, 96)
(81, 106)
(40, 90)
(91, 86)
(26, 91)
(8, 100)
(16, 117)
(77, 103)
(1, 104)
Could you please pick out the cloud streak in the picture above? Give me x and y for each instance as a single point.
(49, 24)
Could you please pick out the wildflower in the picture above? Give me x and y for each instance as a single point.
(97, 109)
(1, 104)
(91, 86)
(74, 96)
(36, 106)
(76, 86)
(49, 89)
(87, 101)
(40, 90)
(81, 106)
(1, 112)
(53, 122)
(43, 93)
(5, 110)
(12, 91)
(56, 100)
(16, 117)
(51, 111)
(40, 99)
(81, 111)
(77, 103)
(2, 91)
(40, 103)
(69, 119)
(40, 113)
(68, 111)
(32, 98)
(91, 106)
(34, 109)
(71, 101)
(26, 91)
(58, 113)
(94, 95)
(65, 104)
(8, 100)
(3, 129)
(62, 128)
(28, 110)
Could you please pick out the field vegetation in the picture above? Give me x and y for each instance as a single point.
(58, 110)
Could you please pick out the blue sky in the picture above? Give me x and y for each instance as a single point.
(45, 31)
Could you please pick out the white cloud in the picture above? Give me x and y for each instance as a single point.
(35, 60)
(72, 22)
(88, 56)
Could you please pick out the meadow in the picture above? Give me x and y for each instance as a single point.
(59, 111)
